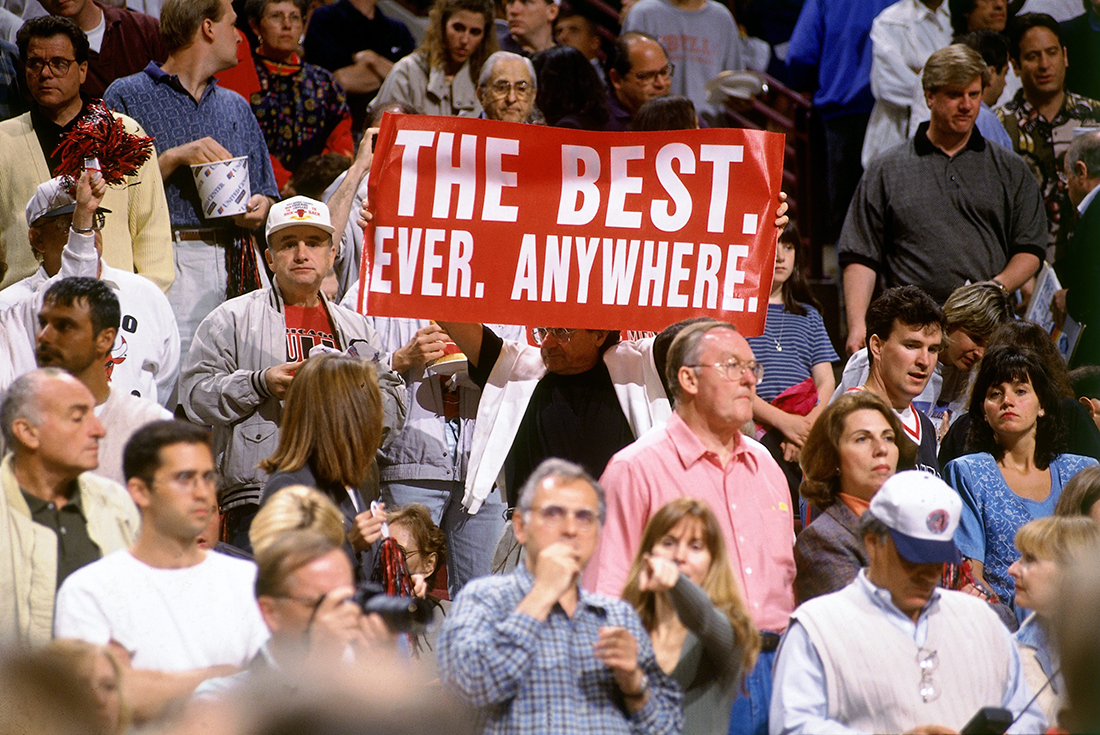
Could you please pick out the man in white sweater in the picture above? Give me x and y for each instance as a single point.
(892, 652)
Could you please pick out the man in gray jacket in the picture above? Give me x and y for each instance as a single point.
(246, 351)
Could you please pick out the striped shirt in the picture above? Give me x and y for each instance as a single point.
(804, 343)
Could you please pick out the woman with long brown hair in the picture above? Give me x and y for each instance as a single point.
(329, 432)
(684, 591)
(440, 77)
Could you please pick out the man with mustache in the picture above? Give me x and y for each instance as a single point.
(78, 326)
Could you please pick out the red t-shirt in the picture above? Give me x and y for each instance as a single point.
(307, 326)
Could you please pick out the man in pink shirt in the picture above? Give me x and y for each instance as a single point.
(701, 453)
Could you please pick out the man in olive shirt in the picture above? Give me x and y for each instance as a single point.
(55, 516)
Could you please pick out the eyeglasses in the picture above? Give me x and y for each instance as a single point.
(58, 65)
(282, 18)
(310, 602)
(64, 223)
(561, 335)
(555, 515)
(188, 480)
(928, 662)
(647, 77)
(502, 88)
(734, 369)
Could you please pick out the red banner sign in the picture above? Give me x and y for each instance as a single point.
(484, 221)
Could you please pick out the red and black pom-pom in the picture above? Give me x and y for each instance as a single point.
(99, 134)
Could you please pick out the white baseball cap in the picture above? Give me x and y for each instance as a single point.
(298, 211)
(52, 199)
(922, 513)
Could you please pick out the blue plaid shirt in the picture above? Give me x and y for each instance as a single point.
(170, 114)
(528, 676)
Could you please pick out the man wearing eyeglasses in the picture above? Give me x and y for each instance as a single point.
(506, 87)
(701, 38)
(54, 55)
(172, 613)
(144, 357)
(701, 453)
(305, 589)
(55, 516)
(893, 652)
(638, 70)
(535, 652)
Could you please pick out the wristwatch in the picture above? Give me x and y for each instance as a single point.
(82, 230)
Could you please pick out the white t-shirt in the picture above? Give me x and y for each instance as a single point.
(168, 619)
(95, 36)
(122, 415)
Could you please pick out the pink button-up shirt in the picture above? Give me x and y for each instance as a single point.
(749, 496)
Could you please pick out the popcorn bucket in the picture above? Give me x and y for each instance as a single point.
(223, 187)
(453, 361)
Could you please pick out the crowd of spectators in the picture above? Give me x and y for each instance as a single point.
(217, 472)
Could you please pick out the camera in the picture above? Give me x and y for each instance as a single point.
(401, 614)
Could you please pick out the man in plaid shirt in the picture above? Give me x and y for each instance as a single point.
(536, 653)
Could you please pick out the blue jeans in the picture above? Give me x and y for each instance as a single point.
(471, 539)
(749, 715)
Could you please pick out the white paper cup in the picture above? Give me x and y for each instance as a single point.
(223, 187)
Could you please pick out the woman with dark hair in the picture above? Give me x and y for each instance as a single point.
(666, 113)
(855, 445)
(684, 591)
(797, 356)
(440, 77)
(329, 432)
(570, 93)
(1019, 469)
(301, 109)
(1082, 435)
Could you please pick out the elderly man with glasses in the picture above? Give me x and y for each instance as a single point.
(892, 652)
(506, 87)
(701, 453)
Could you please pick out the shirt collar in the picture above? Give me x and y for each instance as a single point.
(1031, 633)
(883, 600)
(1087, 200)
(923, 146)
(37, 504)
(691, 450)
(159, 76)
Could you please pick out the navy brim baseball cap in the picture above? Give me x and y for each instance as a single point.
(925, 551)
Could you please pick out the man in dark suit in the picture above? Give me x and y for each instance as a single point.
(1079, 269)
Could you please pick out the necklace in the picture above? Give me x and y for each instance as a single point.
(778, 340)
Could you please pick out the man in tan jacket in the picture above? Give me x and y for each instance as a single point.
(55, 516)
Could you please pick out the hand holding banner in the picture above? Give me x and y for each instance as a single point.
(484, 221)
